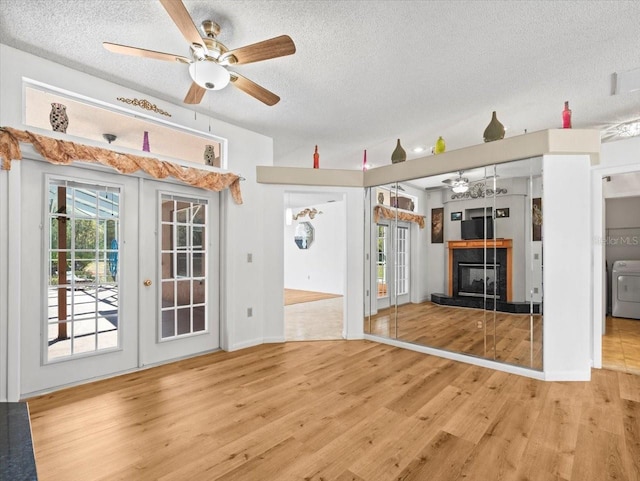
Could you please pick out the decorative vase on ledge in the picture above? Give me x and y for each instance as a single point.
(495, 130)
(58, 118)
(209, 154)
(398, 155)
(145, 142)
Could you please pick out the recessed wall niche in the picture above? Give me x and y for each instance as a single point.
(124, 127)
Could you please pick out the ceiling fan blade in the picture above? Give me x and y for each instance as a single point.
(195, 94)
(141, 52)
(180, 16)
(253, 89)
(272, 48)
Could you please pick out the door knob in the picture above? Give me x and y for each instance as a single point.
(147, 282)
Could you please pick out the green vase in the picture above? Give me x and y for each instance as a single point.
(398, 155)
(495, 130)
(440, 146)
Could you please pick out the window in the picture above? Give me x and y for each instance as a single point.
(402, 261)
(82, 268)
(184, 270)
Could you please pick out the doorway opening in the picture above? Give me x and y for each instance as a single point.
(621, 336)
(314, 265)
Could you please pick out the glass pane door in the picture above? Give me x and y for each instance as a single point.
(82, 270)
(402, 262)
(183, 259)
(383, 251)
(79, 264)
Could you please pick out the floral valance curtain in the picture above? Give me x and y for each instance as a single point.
(381, 211)
(64, 152)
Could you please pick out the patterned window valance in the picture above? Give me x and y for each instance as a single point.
(64, 152)
(385, 212)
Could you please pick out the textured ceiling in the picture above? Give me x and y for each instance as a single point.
(365, 72)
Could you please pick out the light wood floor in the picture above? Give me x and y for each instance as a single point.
(340, 410)
(470, 331)
(317, 320)
(621, 345)
(296, 296)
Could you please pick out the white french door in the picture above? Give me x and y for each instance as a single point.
(179, 270)
(393, 266)
(96, 297)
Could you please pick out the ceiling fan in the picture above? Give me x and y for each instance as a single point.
(209, 58)
(459, 185)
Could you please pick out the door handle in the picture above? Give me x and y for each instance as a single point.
(147, 282)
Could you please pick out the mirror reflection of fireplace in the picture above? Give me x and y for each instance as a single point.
(478, 280)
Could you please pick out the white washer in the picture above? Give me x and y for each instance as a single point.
(625, 289)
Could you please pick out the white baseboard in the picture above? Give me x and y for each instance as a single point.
(274, 340)
(355, 337)
(245, 344)
(116, 374)
(454, 356)
(568, 375)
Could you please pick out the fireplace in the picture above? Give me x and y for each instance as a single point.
(479, 280)
(474, 264)
(468, 260)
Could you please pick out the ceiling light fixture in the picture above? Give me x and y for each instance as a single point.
(417, 150)
(209, 75)
(460, 188)
(459, 185)
(629, 129)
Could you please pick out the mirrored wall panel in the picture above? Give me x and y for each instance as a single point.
(454, 262)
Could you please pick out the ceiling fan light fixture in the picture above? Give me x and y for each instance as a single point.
(198, 51)
(209, 75)
(629, 129)
(460, 188)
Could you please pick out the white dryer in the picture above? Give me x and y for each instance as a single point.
(625, 289)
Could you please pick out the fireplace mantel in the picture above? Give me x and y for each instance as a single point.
(482, 244)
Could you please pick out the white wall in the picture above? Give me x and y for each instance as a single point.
(419, 259)
(4, 229)
(436, 258)
(623, 229)
(533, 249)
(243, 226)
(567, 267)
(321, 267)
(620, 153)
